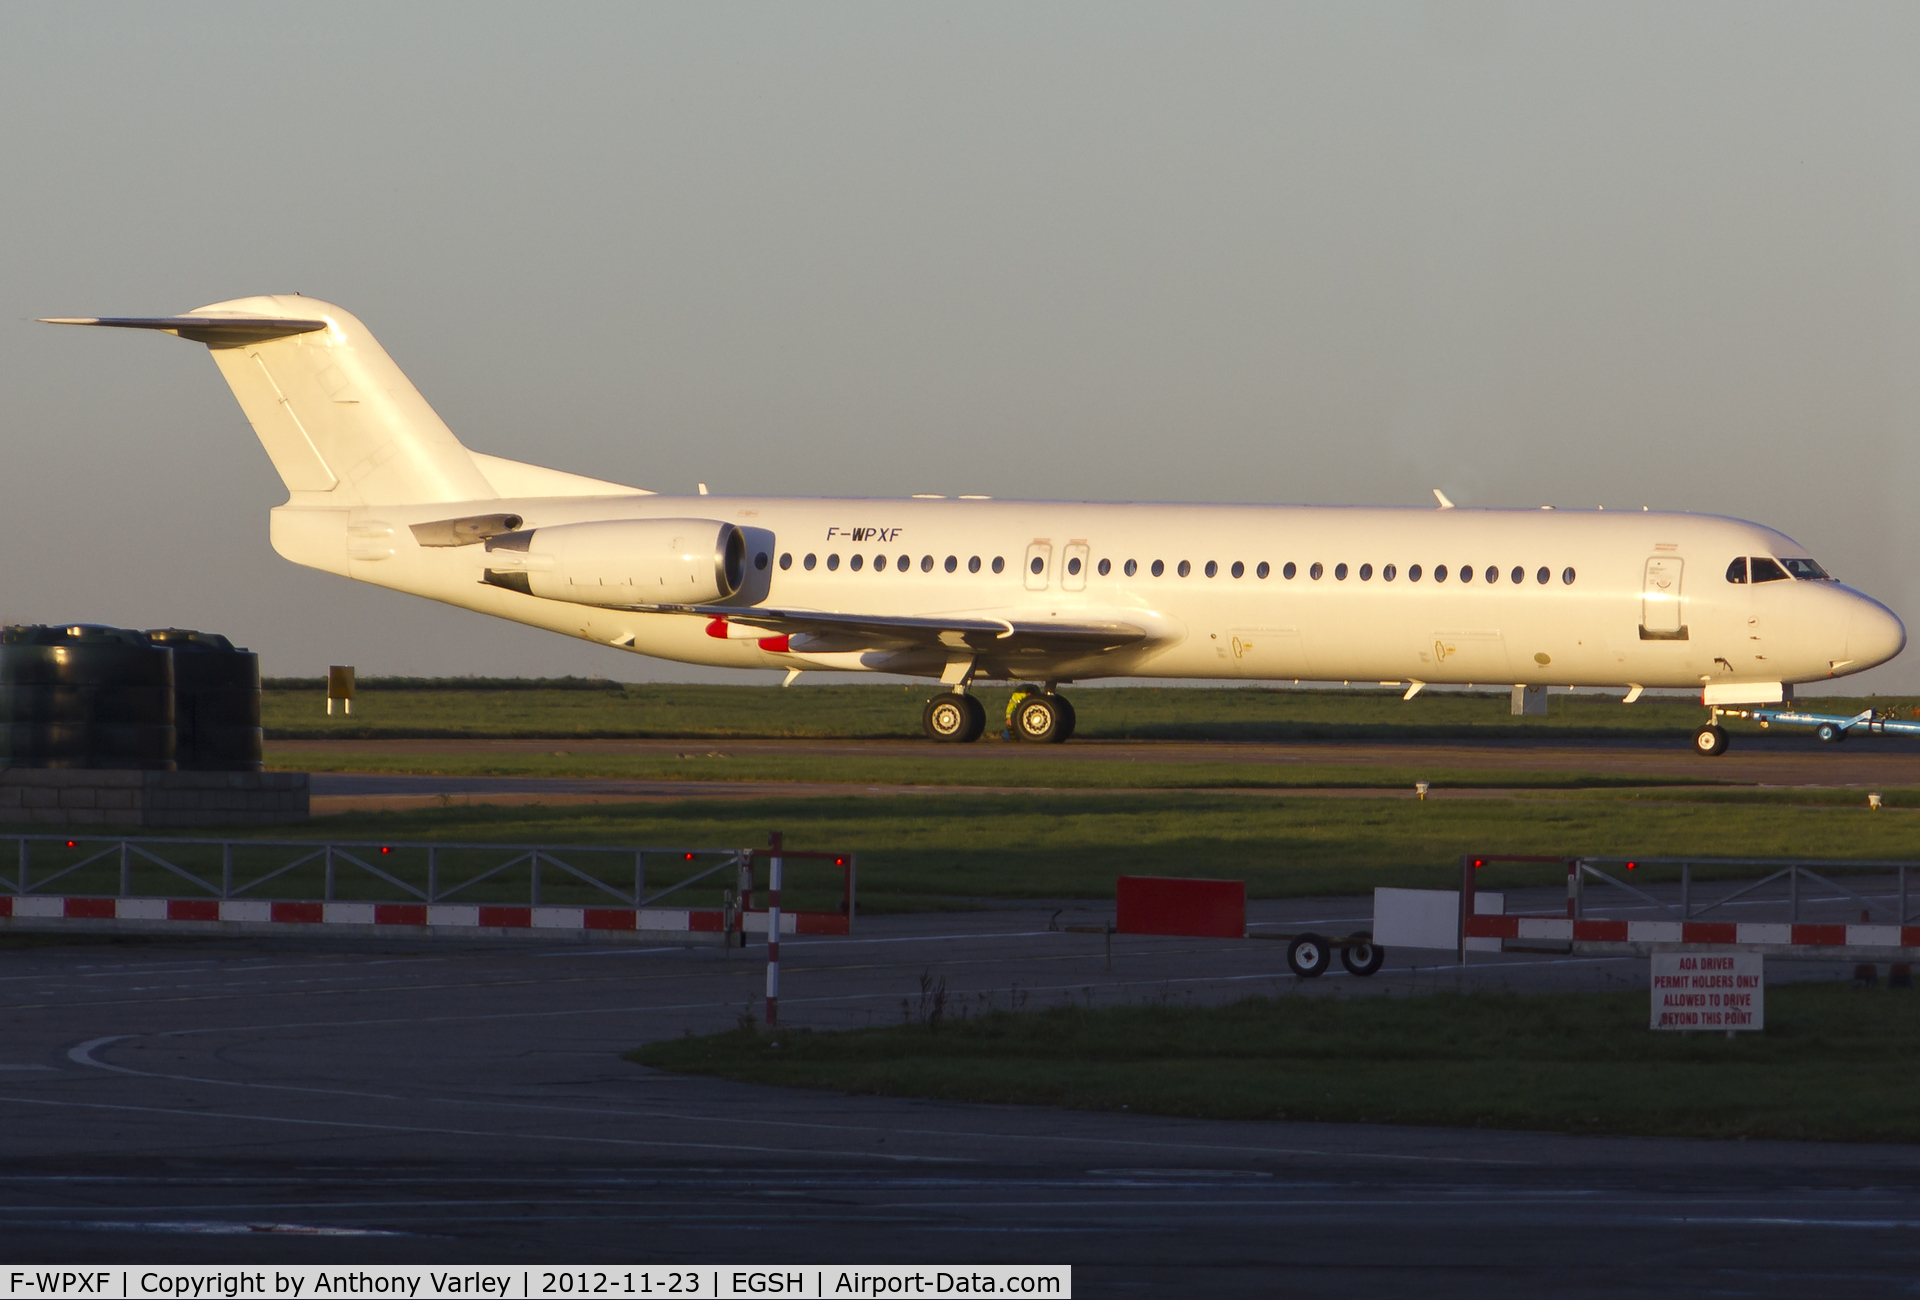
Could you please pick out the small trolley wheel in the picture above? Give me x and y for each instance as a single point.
(1039, 720)
(947, 719)
(1710, 741)
(1830, 733)
(1308, 955)
(1362, 956)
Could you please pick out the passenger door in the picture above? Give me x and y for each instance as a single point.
(1662, 617)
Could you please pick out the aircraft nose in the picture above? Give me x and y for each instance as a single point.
(1874, 633)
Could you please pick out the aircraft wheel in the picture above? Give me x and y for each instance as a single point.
(1067, 716)
(1039, 720)
(948, 719)
(1364, 956)
(1829, 733)
(1710, 741)
(976, 719)
(1308, 954)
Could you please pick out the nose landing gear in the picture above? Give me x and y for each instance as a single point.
(1710, 741)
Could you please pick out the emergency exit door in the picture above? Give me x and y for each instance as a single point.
(1662, 617)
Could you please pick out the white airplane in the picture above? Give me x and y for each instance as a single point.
(1047, 592)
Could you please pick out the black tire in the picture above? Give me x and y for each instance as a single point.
(1308, 954)
(947, 719)
(1038, 720)
(1362, 956)
(1068, 718)
(1710, 741)
(1830, 734)
(977, 715)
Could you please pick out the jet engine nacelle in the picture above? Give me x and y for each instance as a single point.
(621, 561)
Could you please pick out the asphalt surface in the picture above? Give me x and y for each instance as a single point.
(285, 1101)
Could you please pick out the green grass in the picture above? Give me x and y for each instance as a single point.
(925, 852)
(1834, 1064)
(442, 709)
(1029, 770)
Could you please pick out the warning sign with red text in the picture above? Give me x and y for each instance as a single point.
(1711, 991)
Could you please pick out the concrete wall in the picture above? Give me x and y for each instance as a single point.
(89, 797)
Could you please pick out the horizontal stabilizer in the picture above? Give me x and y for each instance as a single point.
(214, 331)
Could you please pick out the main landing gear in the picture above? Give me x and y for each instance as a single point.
(1037, 716)
(954, 718)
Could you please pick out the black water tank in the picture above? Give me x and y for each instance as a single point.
(85, 696)
(216, 702)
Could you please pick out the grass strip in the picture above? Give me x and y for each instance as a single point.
(1834, 1063)
(1014, 773)
(441, 709)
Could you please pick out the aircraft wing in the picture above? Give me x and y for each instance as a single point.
(877, 631)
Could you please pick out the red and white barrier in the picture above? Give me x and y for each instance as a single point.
(434, 917)
(1557, 929)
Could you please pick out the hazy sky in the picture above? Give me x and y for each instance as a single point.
(1615, 253)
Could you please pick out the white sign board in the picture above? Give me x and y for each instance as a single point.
(1429, 918)
(1709, 991)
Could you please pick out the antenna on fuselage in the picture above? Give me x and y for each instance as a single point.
(1441, 497)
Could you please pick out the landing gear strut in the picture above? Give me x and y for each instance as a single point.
(954, 718)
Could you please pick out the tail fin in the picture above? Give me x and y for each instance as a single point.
(341, 422)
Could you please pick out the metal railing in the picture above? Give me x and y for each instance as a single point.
(234, 869)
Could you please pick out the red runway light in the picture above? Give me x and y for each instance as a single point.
(689, 857)
(1629, 866)
(385, 849)
(69, 843)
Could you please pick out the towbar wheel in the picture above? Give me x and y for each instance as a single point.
(1308, 955)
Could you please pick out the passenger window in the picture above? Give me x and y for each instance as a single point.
(880, 563)
(999, 564)
(1765, 570)
(1493, 573)
(1737, 571)
(760, 561)
(1289, 571)
(1544, 576)
(926, 564)
(1106, 567)
(1262, 571)
(786, 559)
(855, 561)
(807, 564)
(1389, 573)
(1186, 567)
(1366, 573)
(1413, 573)
(1073, 565)
(973, 565)
(1132, 567)
(1238, 570)
(1439, 573)
(1518, 576)
(1037, 565)
(833, 562)
(1213, 569)
(1316, 571)
(1340, 573)
(1159, 567)
(953, 562)
(1807, 571)
(1466, 573)
(1566, 575)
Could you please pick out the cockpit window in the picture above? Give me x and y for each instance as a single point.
(1766, 570)
(1807, 571)
(1737, 571)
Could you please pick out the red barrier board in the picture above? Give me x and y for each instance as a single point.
(1163, 905)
